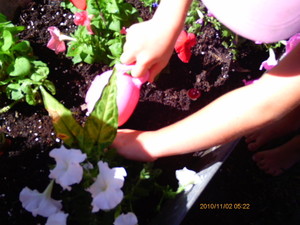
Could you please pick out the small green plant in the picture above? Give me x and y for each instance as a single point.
(150, 3)
(104, 42)
(194, 18)
(20, 73)
(198, 16)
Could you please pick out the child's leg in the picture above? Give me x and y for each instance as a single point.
(275, 161)
(287, 125)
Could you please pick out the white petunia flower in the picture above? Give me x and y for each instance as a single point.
(106, 190)
(39, 203)
(126, 219)
(187, 178)
(270, 62)
(59, 218)
(68, 171)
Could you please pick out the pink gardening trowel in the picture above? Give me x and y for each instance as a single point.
(128, 91)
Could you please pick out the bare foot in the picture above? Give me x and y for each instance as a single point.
(285, 126)
(276, 161)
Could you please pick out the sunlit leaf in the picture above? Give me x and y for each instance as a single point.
(64, 123)
(21, 67)
(102, 124)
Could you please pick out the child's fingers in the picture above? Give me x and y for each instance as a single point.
(127, 58)
(139, 70)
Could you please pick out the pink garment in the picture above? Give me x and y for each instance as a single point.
(258, 20)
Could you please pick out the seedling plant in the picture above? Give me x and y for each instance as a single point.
(21, 74)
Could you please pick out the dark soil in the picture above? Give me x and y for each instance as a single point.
(30, 135)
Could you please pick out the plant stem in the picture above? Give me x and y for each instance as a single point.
(100, 13)
(8, 107)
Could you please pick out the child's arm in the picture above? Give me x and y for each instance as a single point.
(231, 116)
(150, 44)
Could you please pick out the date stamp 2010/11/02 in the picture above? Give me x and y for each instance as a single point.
(228, 206)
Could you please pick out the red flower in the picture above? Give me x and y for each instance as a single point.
(184, 44)
(80, 4)
(82, 18)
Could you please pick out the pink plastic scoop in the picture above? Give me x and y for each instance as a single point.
(128, 91)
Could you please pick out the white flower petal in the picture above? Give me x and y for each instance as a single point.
(187, 178)
(117, 173)
(59, 218)
(107, 200)
(38, 203)
(126, 219)
(270, 62)
(106, 190)
(72, 175)
(68, 171)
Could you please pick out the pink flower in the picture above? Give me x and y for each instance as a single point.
(248, 82)
(123, 31)
(292, 42)
(83, 19)
(210, 14)
(270, 62)
(56, 42)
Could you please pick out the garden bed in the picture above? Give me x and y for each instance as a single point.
(212, 70)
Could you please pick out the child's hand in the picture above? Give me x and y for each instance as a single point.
(128, 144)
(149, 45)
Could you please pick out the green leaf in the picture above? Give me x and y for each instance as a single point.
(8, 40)
(112, 7)
(2, 18)
(5, 82)
(14, 91)
(21, 67)
(76, 59)
(75, 48)
(115, 25)
(40, 71)
(37, 77)
(25, 84)
(101, 126)
(89, 59)
(64, 123)
(50, 86)
(116, 49)
(14, 29)
(22, 48)
(30, 97)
